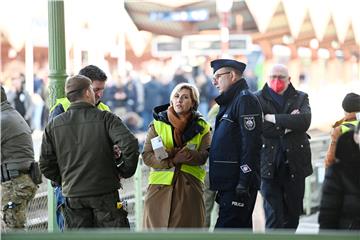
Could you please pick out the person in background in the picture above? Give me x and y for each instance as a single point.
(351, 105)
(285, 153)
(20, 98)
(340, 201)
(174, 198)
(17, 158)
(77, 154)
(153, 95)
(235, 148)
(209, 195)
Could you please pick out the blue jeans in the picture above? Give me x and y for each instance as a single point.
(60, 201)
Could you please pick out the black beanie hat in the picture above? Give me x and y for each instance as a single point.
(351, 103)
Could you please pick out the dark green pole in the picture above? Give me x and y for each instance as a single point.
(57, 76)
(57, 59)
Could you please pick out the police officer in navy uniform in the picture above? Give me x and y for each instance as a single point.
(285, 153)
(235, 148)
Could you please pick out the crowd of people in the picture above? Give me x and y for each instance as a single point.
(255, 141)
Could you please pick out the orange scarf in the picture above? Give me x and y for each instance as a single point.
(179, 122)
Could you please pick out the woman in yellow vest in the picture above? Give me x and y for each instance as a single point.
(181, 139)
(351, 105)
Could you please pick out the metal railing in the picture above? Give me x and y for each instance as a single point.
(313, 183)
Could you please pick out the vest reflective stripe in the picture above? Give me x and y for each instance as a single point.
(66, 104)
(63, 101)
(103, 107)
(161, 177)
(165, 176)
(352, 126)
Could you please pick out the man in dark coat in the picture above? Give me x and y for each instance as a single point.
(235, 148)
(77, 153)
(340, 201)
(285, 153)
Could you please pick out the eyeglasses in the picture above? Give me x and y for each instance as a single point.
(281, 77)
(217, 76)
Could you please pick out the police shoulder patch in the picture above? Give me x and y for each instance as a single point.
(245, 168)
(249, 122)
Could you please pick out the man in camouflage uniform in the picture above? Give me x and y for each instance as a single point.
(17, 156)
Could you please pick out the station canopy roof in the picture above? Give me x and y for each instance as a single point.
(335, 24)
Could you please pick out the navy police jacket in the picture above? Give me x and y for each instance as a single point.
(235, 148)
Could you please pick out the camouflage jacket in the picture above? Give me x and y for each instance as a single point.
(16, 142)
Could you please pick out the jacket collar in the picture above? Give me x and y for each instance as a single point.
(78, 105)
(233, 91)
(160, 114)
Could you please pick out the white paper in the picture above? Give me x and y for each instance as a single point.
(158, 148)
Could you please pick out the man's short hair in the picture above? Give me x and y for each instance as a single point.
(75, 86)
(94, 73)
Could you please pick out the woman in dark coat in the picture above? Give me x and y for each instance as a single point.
(340, 203)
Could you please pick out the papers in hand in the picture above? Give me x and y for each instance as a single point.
(158, 148)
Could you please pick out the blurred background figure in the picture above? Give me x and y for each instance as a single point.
(209, 195)
(251, 80)
(340, 203)
(153, 93)
(41, 110)
(351, 105)
(207, 92)
(179, 77)
(20, 99)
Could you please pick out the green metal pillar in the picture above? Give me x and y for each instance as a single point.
(57, 76)
(57, 59)
(138, 196)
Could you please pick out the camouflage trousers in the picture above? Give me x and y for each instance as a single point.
(95, 212)
(15, 197)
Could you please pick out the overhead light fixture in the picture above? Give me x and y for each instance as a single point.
(287, 39)
(224, 5)
(314, 43)
(335, 44)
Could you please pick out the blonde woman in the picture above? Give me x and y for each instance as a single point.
(174, 197)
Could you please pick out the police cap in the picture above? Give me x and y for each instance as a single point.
(76, 83)
(220, 63)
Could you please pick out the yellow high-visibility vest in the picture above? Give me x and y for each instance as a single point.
(66, 104)
(348, 125)
(165, 176)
